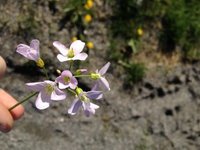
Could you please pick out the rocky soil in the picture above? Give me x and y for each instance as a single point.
(161, 113)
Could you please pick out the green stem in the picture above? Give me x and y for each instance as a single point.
(83, 75)
(24, 100)
(70, 90)
(70, 64)
(45, 71)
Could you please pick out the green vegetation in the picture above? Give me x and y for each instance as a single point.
(179, 27)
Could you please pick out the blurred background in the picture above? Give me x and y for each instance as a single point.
(153, 47)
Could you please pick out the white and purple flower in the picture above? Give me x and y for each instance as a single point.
(101, 80)
(73, 53)
(66, 79)
(48, 91)
(83, 99)
(31, 52)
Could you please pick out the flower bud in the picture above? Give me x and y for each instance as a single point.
(79, 90)
(95, 76)
(40, 63)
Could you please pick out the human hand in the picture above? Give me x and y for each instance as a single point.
(6, 101)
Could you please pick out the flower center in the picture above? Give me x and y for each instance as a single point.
(66, 79)
(95, 76)
(70, 53)
(49, 89)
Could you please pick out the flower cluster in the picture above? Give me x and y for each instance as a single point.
(49, 91)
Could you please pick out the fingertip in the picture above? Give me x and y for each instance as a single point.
(17, 112)
(8, 101)
(6, 120)
(2, 67)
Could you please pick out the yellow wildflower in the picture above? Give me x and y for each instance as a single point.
(88, 4)
(87, 18)
(140, 32)
(90, 45)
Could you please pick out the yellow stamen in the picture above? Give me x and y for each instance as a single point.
(49, 89)
(66, 79)
(70, 53)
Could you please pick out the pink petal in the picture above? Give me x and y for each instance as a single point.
(80, 56)
(104, 69)
(94, 94)
(62, 58)
(77, 46)
(36, 86)
(40, 104)
(93, 106)
(35, 45)
(62, 86)
(66, 73)
(73, 83)
(89, 108)
(27, 52)
(74, 107)
(58, 95)
(62, 49)
(105, 83)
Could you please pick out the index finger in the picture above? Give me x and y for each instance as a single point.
(8, 101)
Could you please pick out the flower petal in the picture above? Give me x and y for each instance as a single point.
(74, 107)
(62, 49)
(89, 108)
(104, 69)
(77, 46)
(94, 94)
(73, 83)
(35, 44)
(36, 86)
(63, 86)
(27, 52)
(40, 104)
(96, 87)
(62, 58)
(58, 95)
(66, 73)
(80, 56)
(104, 83)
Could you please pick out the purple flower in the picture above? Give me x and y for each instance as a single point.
(31, 52)
(73, 53)
(83, 99)
(66, 79)
(48, 91)
(101, 80)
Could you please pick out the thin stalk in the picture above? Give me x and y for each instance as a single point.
(70, 64)
(83, 75)
(24, 100)
(45, 71)
(70, 90)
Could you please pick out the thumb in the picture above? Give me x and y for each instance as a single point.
(2, 67)
(6, 120)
